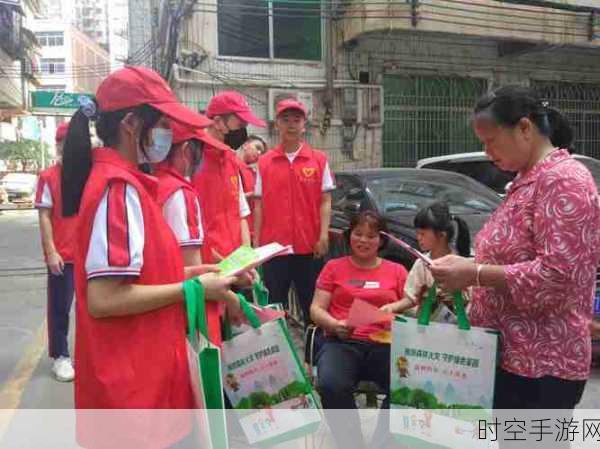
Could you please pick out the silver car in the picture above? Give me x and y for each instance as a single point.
(479, 167)
(19, 186)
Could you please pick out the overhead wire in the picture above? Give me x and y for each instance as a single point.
(150, 47)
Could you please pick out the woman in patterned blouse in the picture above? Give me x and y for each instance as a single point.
(536, 258)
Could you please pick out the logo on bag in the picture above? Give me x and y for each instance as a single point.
(402, 365)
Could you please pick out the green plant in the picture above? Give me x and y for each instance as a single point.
(293, 390)
(260, 399)
(26, 151)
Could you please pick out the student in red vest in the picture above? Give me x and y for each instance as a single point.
(131, 348)
(293, 207)
(218, 179)
(58, 244)
(180, 202)
(248, 155)
(219, 185)
(177, 196)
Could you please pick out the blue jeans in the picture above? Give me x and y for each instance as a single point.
(341, 365)
(60, 297)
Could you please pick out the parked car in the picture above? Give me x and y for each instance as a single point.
(397, 194)
(19, 186)
(479, 167)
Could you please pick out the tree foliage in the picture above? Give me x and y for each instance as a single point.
(26, 151)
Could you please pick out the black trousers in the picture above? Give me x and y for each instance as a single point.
(341, 365)
(301, 271)
(517, 392)
(60, 290)
(552, 401)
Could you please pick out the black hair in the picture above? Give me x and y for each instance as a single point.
(374, 220)
(436, 216)
(197, 146)
(255, 138)
(509, 104)
(77, 150)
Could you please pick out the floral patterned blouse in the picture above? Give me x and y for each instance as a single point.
(546, 234)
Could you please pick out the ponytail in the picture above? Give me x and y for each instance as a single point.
(436, 216)
(77, 162)
(77, 152)
(561, 132)
(463, 237)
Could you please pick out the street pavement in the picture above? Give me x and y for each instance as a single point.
(24, 365)
(25, 379)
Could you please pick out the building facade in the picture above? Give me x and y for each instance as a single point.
(70, 60)
(388, 83)
(91, 17)
(17, 56)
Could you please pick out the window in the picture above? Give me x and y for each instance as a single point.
(51, 66)
(51, 38)
(244, 30)
(400, 195)
(482, 170)
(580, 103)
(10, 29)
(347, 190)
(428, 116)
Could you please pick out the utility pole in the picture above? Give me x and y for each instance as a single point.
(329, 56)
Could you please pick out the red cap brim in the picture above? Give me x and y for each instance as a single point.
(292, 108)
(211, 141)
(182, 114)
(251, 119)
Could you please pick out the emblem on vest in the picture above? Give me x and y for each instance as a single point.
(309, 172)
(234, 184)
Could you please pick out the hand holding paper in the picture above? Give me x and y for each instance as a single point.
(246, 258)
(362, 314)
(265, 314)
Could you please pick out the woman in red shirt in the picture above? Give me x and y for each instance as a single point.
(536, 257)
(347, 354)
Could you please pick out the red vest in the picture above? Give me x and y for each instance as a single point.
(169, 181)
(249, 182)
(217, 183)
(248, 177)
(136, 361)
(291, 198)
(63, 228)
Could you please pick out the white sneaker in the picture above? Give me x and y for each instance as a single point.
(63, 369)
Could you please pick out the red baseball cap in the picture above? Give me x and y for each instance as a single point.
(61, 132)
(232, 102)
(290, 103)
(182, 133)
(133, 86)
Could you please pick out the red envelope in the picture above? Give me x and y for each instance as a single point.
(266, 314)
(362, 314)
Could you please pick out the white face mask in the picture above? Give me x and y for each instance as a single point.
(161, 145)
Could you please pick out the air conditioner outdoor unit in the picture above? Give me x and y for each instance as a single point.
(276, 95)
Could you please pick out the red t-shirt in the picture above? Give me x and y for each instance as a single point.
(377, 286)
